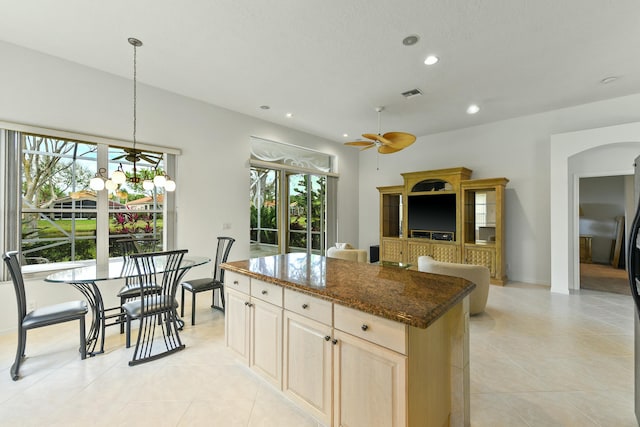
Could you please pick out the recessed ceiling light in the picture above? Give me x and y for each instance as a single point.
(264, 107)
(345, 135)
(410, 40)
(472, 109)
(289, 115)
(608, 80)
(431, 59)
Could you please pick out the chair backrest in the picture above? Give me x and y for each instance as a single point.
(222, 253)
(13, 265)
(130, 245)
(161, 268)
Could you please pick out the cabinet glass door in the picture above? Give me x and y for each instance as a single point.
(480, 216)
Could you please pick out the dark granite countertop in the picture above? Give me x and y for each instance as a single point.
(407, 296)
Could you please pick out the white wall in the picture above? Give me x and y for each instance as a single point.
(212, 173)
(518, 149)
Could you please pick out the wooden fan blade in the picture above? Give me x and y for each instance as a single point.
(368, 146)
(400, 139)
(387, 149)
(151, 159)
(372, 136)
(359, 143)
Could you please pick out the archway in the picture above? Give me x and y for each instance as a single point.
(615, 148)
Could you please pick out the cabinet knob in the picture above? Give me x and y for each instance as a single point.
(327, 338)
(264, 292)
(305, 305)
(364, 327)
(235, 282)
(246, 303)
(334, 341)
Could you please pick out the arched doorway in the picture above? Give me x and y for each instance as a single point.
(610, 151)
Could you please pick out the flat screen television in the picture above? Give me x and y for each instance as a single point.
(434, 212)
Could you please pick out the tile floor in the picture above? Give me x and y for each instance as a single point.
(537, 359)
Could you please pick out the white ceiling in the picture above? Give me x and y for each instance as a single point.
(331, 62)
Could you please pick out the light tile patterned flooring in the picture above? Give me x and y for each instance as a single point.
(537, 359)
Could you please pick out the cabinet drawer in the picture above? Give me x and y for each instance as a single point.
(236, 281)
(384, 332)
(308, 306)
(267, 292)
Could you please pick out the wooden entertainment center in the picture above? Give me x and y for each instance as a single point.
(447, 215)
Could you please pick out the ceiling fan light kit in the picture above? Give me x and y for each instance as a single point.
(161, 180)
(390, 142)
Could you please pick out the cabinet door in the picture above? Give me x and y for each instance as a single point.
(391, 250)
(481, 256)
(416, 249)
(236, 325)
(266, 341)
(369, 384)
(445, 252)
(308, 365)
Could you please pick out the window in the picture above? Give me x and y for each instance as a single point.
(53, 216)
(292, 199)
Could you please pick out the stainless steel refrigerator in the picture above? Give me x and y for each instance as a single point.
(633, 267)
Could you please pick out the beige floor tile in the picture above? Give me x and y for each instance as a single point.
(536, 359)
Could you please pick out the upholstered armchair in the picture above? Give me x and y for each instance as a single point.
(348, 252)
(477, 274)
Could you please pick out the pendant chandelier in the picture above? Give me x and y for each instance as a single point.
(161, 180)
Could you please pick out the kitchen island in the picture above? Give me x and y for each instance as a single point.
(353, 343)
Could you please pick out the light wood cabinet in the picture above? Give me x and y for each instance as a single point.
(585, 249)
(347, 367)
(483, 225)
(308, 364)
(447, 215)
(392, 249)
(266, 341)
(253, 328)
(237, 323)
(369, 384)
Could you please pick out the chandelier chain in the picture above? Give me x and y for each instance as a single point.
(135, 98)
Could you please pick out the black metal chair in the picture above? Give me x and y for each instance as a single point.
(131, 288)
(44, 316)
(155, 310)
(209, 283)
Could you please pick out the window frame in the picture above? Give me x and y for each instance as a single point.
(11, 191)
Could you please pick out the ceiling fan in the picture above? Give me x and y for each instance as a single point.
(134, 156)
(390, 142)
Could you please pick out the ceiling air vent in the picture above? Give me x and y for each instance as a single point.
(411, 93)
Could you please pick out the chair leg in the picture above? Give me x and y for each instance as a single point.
(122, 315)
(181, 301)
(83, 339)
(193, 308)
(128, 332)
(15, 369)
(221, 290)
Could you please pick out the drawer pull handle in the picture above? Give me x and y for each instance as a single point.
(327, 338)
(264, 292)
(334, 341)
(364, 327)
(235, 282)
(305, 305)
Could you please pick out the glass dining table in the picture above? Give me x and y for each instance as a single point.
(86, 280)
